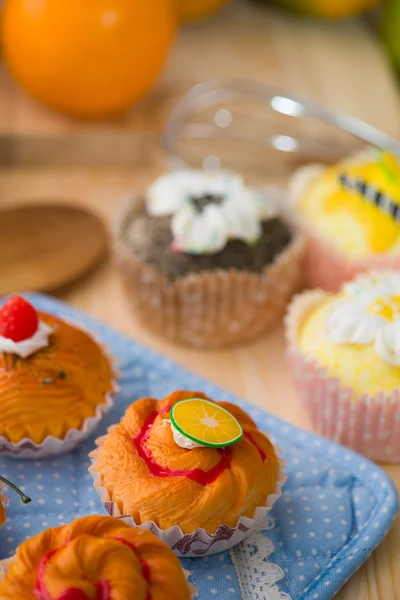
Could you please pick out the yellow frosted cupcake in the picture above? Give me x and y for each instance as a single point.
(351, 215)
(344, 350)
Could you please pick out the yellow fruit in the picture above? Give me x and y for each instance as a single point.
(329, 9)
(205, 422)
(87, 58)
(191, 10)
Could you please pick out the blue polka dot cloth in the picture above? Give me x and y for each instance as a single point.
(336, 506)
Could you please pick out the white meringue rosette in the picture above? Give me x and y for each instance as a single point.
(52, 446)
(237, 214)
(6, 564)
(369, 313)
(199, 543)
(25, 348)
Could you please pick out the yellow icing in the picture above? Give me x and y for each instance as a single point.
(387, 307)
(345, 217)
(357, 366)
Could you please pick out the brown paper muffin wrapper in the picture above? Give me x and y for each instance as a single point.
(199, 542)
(366, 423)
(6, 564)
(52, 446)
(213, 308)
(326, 267)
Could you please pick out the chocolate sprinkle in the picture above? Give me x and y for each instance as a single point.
(150, 239)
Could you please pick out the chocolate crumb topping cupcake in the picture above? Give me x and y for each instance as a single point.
(206, 260)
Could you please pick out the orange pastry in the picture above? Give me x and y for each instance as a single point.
(153, 473)
(54, 378)
(98, 558)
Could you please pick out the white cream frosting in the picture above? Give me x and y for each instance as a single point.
(181, 440)
(237, 216)
(369, 314)
(25, 348)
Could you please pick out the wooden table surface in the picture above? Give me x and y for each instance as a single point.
(341, 65)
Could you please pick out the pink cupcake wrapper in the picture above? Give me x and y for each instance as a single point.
(327, 268)
(51, 446)
(199, 542)
(6, 564)
(368, 424)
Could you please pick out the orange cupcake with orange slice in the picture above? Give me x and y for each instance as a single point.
(94, 557)
(197, 473)
(56, 382)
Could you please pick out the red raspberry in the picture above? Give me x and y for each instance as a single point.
(18, 319)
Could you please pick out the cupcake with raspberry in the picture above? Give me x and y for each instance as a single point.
(94, 557)
(56, 382)
(206, 260)
(4, 499)
(350, 214)
(197, 473)
(344, 351)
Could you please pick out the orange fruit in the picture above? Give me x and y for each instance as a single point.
(87, 58)
(191, 10)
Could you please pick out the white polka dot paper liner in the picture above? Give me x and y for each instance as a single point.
(367, 424)
(200, 542)
(335, 507)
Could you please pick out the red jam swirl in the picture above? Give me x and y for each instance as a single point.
(103, 588)
(197, 475)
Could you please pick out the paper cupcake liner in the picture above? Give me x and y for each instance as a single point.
(328, 268)
(200, 542)
(366, 423)
(51, 446)
(213, 308)
(6, 564)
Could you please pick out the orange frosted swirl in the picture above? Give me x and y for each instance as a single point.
(244, 482)
(95, 558)
(56, 388)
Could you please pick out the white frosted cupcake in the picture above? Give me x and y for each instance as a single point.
(206, 260)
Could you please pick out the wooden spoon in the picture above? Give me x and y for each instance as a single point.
(45, 246)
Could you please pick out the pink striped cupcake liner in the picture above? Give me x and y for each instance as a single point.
(328, 268)
(369, 424)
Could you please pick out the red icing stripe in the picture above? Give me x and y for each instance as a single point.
(103, 588)
(144, 563)
(157, 470)
(197, 475)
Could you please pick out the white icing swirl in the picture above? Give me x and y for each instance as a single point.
(181, 440)
(237, 215)
(369, 314)
(25, 348)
